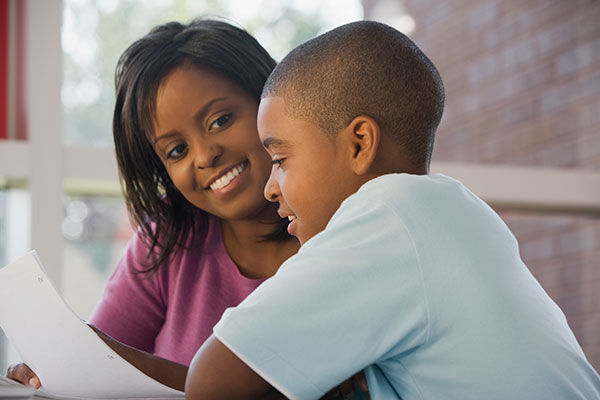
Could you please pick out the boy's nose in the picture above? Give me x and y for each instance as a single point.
(206, 155)
(271, 189)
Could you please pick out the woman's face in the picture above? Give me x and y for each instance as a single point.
(205, 134)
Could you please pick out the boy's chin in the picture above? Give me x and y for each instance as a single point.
(300, 238)
(304, 236)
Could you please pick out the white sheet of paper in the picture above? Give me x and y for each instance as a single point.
(12, 390)
(66, 354)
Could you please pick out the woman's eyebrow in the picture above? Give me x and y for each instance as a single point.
(163, 137)
(201, 114)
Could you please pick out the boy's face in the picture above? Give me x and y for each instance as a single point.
(310, 176)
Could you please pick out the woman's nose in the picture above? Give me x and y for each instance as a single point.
(206, 155)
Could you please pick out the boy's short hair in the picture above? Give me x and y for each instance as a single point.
(363, 68)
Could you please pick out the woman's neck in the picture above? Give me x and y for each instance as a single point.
(244, 241)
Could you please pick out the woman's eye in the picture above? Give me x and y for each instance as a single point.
(219, 122)
(176, 151)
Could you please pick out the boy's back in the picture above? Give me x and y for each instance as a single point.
(406, 275)
(418, 278)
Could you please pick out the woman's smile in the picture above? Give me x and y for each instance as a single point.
(228, 181)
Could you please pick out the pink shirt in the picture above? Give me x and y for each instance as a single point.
(172, 312)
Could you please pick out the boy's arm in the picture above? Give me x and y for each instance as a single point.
(217, 373)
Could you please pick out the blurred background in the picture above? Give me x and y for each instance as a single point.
(521, 126)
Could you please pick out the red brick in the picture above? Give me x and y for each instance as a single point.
(523, 88)
(588, 146)
(573, 303)
(518, 112)
(483, 15)
(590, 331)
(578, 58)
(540, 248)
(592, 353)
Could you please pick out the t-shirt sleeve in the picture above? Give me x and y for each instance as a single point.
(352, 297)
(132, 308)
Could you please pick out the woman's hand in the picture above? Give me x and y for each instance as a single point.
(23, 374)
(346, 389)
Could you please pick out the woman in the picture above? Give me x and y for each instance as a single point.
(193, 171)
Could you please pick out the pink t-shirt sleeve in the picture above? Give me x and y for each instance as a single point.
(133, 306)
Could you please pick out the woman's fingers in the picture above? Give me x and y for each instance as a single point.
(347, 389)
(333, 394)
(344, 391)
(22, 373)
(361, 381)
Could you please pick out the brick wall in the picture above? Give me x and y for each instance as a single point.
(522, 83)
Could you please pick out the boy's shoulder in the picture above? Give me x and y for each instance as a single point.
(404, 198)
(411, 200)
(407, 187)
(407, 179)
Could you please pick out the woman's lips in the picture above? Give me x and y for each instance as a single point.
(225, 179)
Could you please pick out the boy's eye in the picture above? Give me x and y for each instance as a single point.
(177, 151)
(278, 162)
(219, 122)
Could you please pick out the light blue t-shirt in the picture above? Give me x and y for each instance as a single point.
(419, 282)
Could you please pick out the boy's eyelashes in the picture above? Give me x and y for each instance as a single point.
(278, 161)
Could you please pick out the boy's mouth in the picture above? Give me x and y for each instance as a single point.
(286, 214)
(293, 218)
(291, 228)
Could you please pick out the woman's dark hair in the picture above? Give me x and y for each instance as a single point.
(153, 201)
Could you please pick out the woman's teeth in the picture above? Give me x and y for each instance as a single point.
(292, 217)
(228, 177)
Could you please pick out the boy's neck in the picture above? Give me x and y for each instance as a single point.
(392, 159)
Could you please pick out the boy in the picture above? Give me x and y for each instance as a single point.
(406, 275)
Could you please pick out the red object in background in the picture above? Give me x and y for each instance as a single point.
(3, 68)
(13, 99)
(21, 98)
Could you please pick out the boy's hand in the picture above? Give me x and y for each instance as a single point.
(346, 389)
(23, 374)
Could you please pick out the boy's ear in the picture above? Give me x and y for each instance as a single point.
(362, 136)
